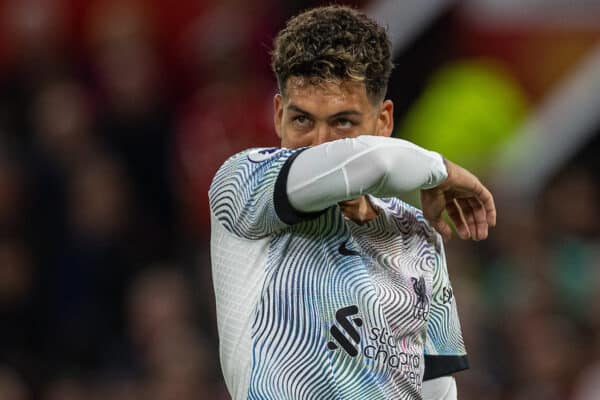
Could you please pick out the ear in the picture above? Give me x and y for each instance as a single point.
(278, 114)
(385, 119)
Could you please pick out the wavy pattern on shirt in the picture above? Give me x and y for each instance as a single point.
(241, 194)
(443, 328)
(393, 265)
(296, 310)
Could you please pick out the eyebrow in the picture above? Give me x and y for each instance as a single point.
(343, 113)
(297, 109)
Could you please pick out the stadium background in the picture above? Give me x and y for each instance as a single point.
(114, 116)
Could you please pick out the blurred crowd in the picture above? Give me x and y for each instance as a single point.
(529, 297)
(114, 116)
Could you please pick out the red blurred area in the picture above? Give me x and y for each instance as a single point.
(114, 116)
(538, 52)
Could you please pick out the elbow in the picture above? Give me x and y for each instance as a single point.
(368, 173)
(381, 165)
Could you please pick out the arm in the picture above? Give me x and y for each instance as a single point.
(345, 169)
(443, 388)
(444, 350)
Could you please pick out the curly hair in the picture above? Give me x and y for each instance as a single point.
(333, 43)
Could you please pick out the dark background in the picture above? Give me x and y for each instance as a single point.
(114, 116)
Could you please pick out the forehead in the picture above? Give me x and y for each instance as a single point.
(326, 96)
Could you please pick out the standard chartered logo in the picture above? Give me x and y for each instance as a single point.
(342, 316)
(380, 344)
(382, 347)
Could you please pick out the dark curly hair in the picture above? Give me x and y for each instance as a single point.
(330, 44)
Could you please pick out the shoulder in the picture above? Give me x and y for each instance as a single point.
(250, 176)
(255, 155)
(258, 156)
(250, 160)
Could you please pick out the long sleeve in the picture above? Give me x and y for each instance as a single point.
(344, 169)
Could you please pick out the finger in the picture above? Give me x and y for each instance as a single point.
(468, 214)
(464, 181)
(458, 219)
(434, 204)
(487, 201)
(432, 201)
(443, 228)
(480, 217)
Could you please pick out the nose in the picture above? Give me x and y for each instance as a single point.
(322, 134)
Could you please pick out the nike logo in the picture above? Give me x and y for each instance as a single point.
(346, 251)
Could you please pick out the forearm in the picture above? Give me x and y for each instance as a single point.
(345, 169)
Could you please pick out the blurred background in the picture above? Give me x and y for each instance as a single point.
(115, 114)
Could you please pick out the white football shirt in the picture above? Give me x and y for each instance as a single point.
(316, 306)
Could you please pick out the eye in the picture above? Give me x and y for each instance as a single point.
(302, 121)
(344, 123)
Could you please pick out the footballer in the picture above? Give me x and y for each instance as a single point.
(327, 285)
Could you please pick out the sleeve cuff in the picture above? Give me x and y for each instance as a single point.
(436, 366)
(285, 211)
(439, 171)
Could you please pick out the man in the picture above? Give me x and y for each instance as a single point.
(327, 286)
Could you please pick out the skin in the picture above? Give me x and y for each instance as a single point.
(309, 115)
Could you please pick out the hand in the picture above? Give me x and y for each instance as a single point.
(469, 204)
